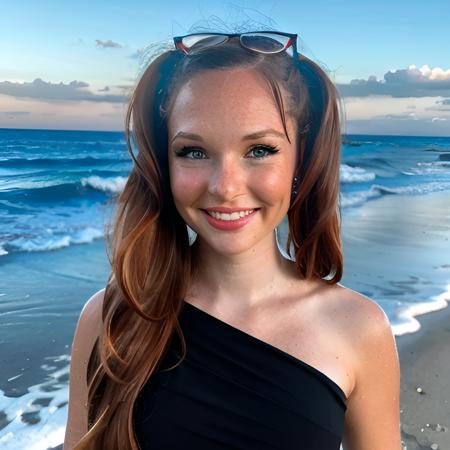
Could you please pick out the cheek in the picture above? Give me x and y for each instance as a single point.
(186, 186)
(273, 186)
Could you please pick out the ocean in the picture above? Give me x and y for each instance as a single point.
(56, 195)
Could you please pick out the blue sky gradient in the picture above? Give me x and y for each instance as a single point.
(65, 42)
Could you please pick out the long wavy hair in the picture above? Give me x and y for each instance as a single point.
(149, 247)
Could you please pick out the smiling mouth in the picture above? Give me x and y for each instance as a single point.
(230, 216)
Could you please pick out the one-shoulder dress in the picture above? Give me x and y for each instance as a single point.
(235, 391)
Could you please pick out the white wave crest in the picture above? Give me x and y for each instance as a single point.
(49, 431)
(114, 185)
(376, 190)
(357, 198)
(427, 168)
(349, 174)
(42, 244)
(417, 189)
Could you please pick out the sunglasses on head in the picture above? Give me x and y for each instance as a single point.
(267, 42)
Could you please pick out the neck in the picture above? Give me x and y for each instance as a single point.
(244, 280)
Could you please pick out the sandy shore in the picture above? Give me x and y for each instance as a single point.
(425, 364)
(396, 251)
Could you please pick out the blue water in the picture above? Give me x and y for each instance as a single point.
(55, 185)
(381, 165)
(56, 194)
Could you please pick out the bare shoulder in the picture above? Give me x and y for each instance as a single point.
(352, 316)
(365, 326)
(92, 309)
(86, 333)
(364, 314)
(373, 407)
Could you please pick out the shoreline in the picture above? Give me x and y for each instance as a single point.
(395, 249)
(425, 365)
(393, 253)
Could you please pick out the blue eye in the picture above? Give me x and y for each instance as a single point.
(189, 150)
(268, 149)
(261, 151)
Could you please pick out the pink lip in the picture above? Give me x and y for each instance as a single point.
(228, 225)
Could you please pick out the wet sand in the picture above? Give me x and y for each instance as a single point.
(425, 383)
(397, 249)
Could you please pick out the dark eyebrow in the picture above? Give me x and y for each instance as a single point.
(248, 137)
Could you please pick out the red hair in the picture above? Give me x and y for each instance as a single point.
(149, 247)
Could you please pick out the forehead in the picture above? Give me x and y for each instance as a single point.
(239, 98)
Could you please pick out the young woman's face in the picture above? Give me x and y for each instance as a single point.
(227, 148)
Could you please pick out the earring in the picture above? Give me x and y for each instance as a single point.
(295, 187)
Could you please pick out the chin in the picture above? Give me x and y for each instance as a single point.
(228, 244)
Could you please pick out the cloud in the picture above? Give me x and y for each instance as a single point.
(389, 115)
(440, 105)
(403, 116)
(107, 44)
(53, 92)
(388, 126)
(62, 115)
(401, 83)
(14, 114)
(124, 87)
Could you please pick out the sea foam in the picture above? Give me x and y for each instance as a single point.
(113, 185)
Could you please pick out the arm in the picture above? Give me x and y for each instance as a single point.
(372, 420)
(86, 333)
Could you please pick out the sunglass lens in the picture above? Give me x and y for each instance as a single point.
(264, 42)
(199, 41)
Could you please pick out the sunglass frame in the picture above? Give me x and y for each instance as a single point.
(178, 41)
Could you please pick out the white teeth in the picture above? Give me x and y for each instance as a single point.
(232, 216)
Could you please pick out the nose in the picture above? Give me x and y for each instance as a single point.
(227, 178)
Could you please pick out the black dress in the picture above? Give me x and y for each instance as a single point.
(235, 391)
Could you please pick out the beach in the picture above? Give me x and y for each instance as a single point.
(40, 392)
(419, 231)
(425, 365)
(395, 198)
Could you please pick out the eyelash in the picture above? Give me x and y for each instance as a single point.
(271, 151)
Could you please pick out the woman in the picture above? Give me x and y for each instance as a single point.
(226, 342)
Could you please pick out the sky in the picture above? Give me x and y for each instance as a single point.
(72, 65)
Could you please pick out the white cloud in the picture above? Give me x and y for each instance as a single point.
(410, 82)
(107, 44)
(43, 90)
(432, 74)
